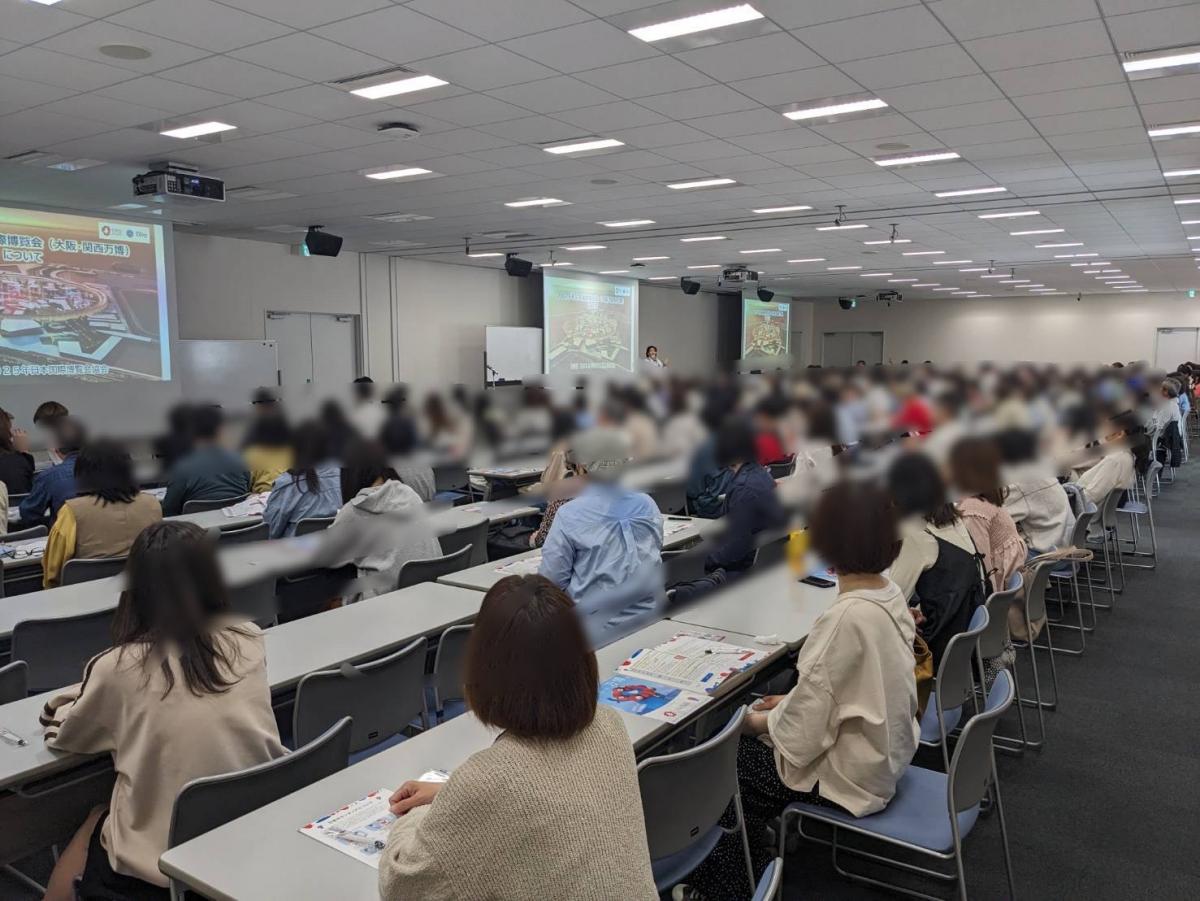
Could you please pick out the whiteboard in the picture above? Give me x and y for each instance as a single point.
(226, 372)
(514, 352)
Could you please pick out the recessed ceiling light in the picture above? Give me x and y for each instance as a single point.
(1111, 271)
(198, 130)
(707, 266)
(1012, 214)
(125, 51)
(398, 86)
(1190, 222)
(661, 278)
(1181, 173)
(781, 209)
(1059, 244)
(835, 109)
(1134, 290)
(406, 172)
(559, 263)
(701, 183)
(648, 259)
(620, 272)
(718, 18)
(1013, 281)
(480, 256)
(924, 253)
(890, 241)
(841, 228)
(995, 275)
(537, 201)
(1170, 131)
(969, 192)
(702, 238)
(83, 163)
(841, 268)
(1039, 231)
(896, 281)
(763, 250)
(1166, 61)
(1185, 201)
(951, 262)
(914, 158)
(978, 295)
(585, 247)
(626, 223)
(926, 284)
(1089, 271)
(874, 274)
(583, 146)
(128, 206)
(975, 269)
(945, 289)
(809, 260)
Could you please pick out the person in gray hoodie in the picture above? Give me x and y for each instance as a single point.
(381, 526)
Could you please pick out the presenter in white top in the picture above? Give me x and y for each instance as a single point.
(653, 359)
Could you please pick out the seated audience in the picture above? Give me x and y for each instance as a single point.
(845, 733)
(639, 425)
(107, 513)
(551, 809)
(210, 471)
(267, 450)
(381, 526)
(707, 479)
(45, 420)
(399, 439)
(182, 694)
(342, 432)
(1034, 498)
(55, 486)
(3, 509)
(768, 445)
(938, 567)
(605, 547)
(1126, 453)
(16, 463)
(176, 443)
(310, 488)
(368, 414)
(683, 431)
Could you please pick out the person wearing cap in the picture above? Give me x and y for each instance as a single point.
(605, 547)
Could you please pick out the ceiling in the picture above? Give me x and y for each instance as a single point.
(1031, 93)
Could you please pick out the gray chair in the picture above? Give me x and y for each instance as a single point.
(88, 570)
(450, 477)
(772, 548)
(201, 506)
(670, 497)
(414, 572)
(447, 679)
(211, 801)
(955, 685)
(244, 535)
(56, 650)
(683, 566)
(1137, 508)
(683, 824)
(313, 524)
(25, 534)
(474, 536)
(770, 887)
(782, 470)
(256, 600)
(993, 642)
(14, 681)
(382, 697)
(1035, 610)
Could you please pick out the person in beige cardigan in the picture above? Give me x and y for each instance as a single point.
(552, 809)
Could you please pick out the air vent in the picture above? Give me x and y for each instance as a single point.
(250, 192)
(35, 158)
(399, 217)
(502, 236)
(282, 229)
(376, 75)
(398, 243)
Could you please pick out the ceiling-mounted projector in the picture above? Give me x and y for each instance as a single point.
(171, 179)
(737, 276)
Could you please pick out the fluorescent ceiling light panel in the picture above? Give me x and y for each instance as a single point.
(648, 259)
(914, 158)
(701, 183)
(1111, 271)
(1181, 173)
(1170, 131)
(896, 281)
(583, 146)
(890, 241)
(702, 238)
(1012, 214)
(627, 223)
(841, 268)
(1190, 222)
(661, 278)
(874, 274)
(926, 284)
(1059, 244)
(835, 109)
(782, 209)
(621, 272)
(951, 262)
(585, 247)
(945, 289)
(1185, 201)
(995, 275)
(763, 250)
(975, 269)
(968, 192)
(559, 263)
(707, 266)
(536, 201)
(718, 18)
(1167, 61)
(399, 86)
(1039, 231)
(481, 256)
(924, 253)
(809, 260)
(407, 172)
(841, 228)
(198, 130)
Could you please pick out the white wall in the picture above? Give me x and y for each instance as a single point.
(1040, 329)
(683, 327)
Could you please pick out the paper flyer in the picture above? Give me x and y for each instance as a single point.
(675, 526)
(526, 567)
(653, 699)
(33, 547)
(254, 505)
(691, 662)
(359, 829)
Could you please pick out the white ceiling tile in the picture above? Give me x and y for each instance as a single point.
(308, 56)
(1043, 45)
(18, 130)
(1008, 148)
(791, 14)
(985, 134)
(1076, 100)
(663, 134)
(36, 64)
(642, 78)
(966, 114)
(129, 145)
(232, 76)
(169, 96)
(797, 87)
(875, 35)
(17, 94)
(464, 140)
(588, 45)
(773, 141)
(872, 128)
(501, 21)
(700, 150)
(30, 22)
(1060, 76)
(510, 156)
(552, 94)
(1160, 28)
(943, 93)
(706, 101)
(969, 19)
(750, 122)
(764, 55)
(607, 117)
(264, 148)
(255, 173)
(912, 67)
(535, 130)
(104, 109)
(1174, 111)
(484, 68)
(324, 102)
(253, 118)
(85, 43)
(1163, 90)
(398, 34)
(1092, 120)
(469, 109)
(632, 159)
(200, 23)
(307, 13)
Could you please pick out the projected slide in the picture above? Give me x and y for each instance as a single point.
(590, 323)
(765, 328)
(82, 298)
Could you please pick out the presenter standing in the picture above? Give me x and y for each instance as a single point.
(653, 359)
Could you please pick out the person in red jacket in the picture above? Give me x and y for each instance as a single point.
(767, 443)
(914, 415)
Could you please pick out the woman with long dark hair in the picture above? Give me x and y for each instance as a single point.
(311, 486)
(106, 515)
(183, 693)
(16, 463)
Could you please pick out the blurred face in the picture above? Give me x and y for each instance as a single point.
(652, 353)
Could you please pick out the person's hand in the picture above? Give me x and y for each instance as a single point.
(413, 794)
(767, 702)
(754, 724)
(20, 440)
(917, 615)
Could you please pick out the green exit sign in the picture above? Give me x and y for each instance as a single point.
(1191, 292)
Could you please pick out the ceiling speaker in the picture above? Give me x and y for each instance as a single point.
(764, 295)
(847, 303)
(517, 267)
(320, 244)
(688, 286)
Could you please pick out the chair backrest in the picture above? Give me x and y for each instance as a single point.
(199, 506)
(206, 803)
(971, 766)
(1035, 590)
(14, 681)
(382, 697)
(994, 638)
(25, 534)
(782, 470)
(449, 476)
(670, 498)
(14, 500)
(771, 883)
(955, 678)
(448, 664)
(772, 548)
(1108, 510)
(414, 572)
(473, 536)
(682, 566)
(245, 535)
(1082, 521)
(313, 524)
(256, 600)
(676, 813)
(57, 650)
(85, 570)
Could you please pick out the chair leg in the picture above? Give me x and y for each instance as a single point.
(1008, 867)
(26, 881)
(737, 805)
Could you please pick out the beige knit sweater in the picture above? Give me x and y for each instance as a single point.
(525, 821)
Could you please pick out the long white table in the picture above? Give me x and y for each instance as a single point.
(351, 633)
(484, 576)
(263, 854)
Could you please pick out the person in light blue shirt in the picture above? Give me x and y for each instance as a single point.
(605, 547)
(311, 488)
